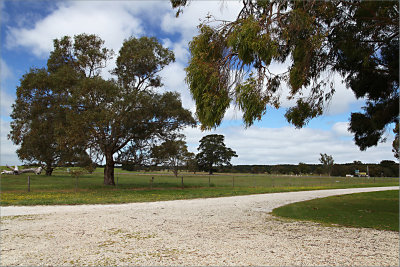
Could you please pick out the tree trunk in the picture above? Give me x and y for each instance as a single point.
(109, 171)
(49, 170)
(175, 171)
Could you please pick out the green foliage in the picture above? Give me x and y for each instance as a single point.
(208, 80)
(140, 60)
(213, 152)
(303, 168)
(379, 210)
(327, 162)
(368, 127)
(302, 113)
(84, 54)
(250, 43)
(248, 100)
(192, 165)
(231, 61)
(172, 153)
(39, 121)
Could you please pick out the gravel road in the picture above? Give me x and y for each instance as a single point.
(217, 231)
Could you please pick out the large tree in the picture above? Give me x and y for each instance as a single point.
(38, 121)
(110, 117)
(231, 61)
(327, 162)
(172, 153)
(213, 152)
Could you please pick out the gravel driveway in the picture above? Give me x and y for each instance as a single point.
(217, 231)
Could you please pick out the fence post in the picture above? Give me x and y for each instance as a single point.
(76, 184)
(209, 181)
(182, 182)
(117, 181)
(29, 183)
(233, 181)
(151, 182)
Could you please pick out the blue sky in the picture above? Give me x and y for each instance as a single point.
(28, 28)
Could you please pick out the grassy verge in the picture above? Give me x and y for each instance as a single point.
(378, 210)
(126, 195)
(61, 188)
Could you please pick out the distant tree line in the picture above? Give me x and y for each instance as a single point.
(386, 168)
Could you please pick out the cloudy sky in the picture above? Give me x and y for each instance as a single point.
(29, 27)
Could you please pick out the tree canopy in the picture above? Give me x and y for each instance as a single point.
(327, 162)
(120, 116)
(172, 153)
(231, 61)
(38, 122)
(213, 152)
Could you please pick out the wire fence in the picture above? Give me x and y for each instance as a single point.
(163, 181)
(154, 181)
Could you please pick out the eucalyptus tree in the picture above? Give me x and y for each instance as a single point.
(231, 61)
(172, 153)
(38, 120)
(110, 116)
(327, 162)
(213, 152)
(115, 115)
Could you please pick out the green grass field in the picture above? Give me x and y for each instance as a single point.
(62, 188)
(378, 210)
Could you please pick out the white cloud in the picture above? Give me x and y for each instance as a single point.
(112, 21)
(342, 99)
(180, 49)
(6, 99)
(173, 78)
(4, 17)
(6, 102)
(341, 129)
(233, 113)
(5, 72)
(8, 155)
(187, 22)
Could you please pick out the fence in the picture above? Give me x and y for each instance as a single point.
(164, 181)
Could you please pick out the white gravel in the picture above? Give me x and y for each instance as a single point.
(217, 231)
